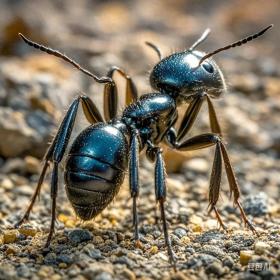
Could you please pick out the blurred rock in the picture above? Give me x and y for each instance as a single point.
(198, 165)
(261, 247)
(248, 84)
(79, 235)
(256, 205)
(215, 268)
(13, 165)
(37, 90)
(32, 165)
(245, 257)
(201, 260)
(174, 159)
(244, 130)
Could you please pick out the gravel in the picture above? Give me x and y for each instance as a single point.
(77, 236)
(256, 205)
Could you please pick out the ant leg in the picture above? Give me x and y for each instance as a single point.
(160, 191)
(131, 94)
(207, 140)
(56, 152)
(53, 197)
(234, 188)
(134, 180)
(219, 219)
(215, 183)
(111, 93)
(90, 110)
(34, 196)
(214, 124)
(191, 115)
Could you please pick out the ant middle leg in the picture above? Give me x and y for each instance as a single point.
(111, 93)
(134, 180)
(160, 191)
(155, 155)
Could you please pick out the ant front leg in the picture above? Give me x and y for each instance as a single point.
(207, 140)
(191, 115)
(111, 93)
(56, 152)
(187, 123)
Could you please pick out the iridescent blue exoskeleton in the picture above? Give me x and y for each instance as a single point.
(102, 153)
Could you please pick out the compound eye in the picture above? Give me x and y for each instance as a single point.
(208, 67)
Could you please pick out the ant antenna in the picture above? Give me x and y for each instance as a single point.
(237, 43)
(155, 48)
(66, 58)
(202, 38)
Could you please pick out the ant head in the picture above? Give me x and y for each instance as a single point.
(188, 73)
(181, 75)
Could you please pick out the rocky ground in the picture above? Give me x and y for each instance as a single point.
(35, 90)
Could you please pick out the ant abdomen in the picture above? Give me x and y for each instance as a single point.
(93, 176)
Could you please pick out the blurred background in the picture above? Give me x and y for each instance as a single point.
(35, 90)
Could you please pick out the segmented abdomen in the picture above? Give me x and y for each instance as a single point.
(95, 169)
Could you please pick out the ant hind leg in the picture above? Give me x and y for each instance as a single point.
(56, 152)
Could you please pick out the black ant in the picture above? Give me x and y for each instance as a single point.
(101, 154)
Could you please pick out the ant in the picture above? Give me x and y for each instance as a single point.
(99, 157)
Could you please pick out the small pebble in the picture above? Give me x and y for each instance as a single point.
(248, 276)
(64, 258)
(62, 265)
(201, 260)
(190, 250)
(103, 276)
(97, 240)
(180, 232)
(10, 236)
(228, 261)
(153, 250)
(50, 259)
(215, 268)
(32, 165)
(7, 184)
(124, 260)
(45, 271)
(214, 251)
(79, 235)
(23, 271)
(27, 231)
(91, 251)
(256, 205)
(199, 165)
(11, 249)
(261, 247)
(128, 274)
(55, 277)
(196, 228)
(185, 240)
(245, 257)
